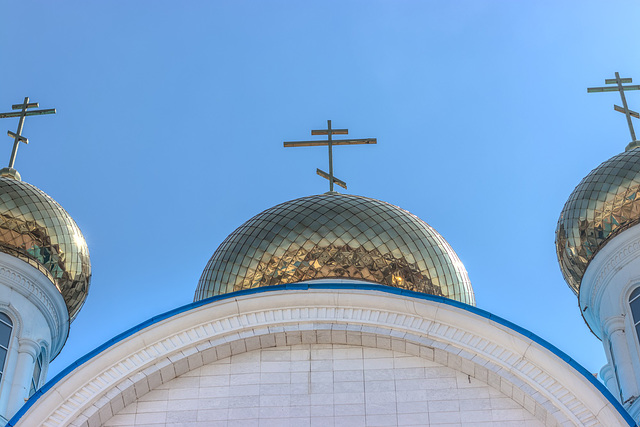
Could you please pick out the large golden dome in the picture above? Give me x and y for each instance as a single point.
(37, 230)
(336, 236)
(606, 202)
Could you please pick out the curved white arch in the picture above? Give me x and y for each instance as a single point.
(451, 334)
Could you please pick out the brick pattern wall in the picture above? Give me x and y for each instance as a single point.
(324, 385)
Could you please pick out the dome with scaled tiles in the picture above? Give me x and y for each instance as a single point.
(605, 203)
(37, 230)
(336, 236)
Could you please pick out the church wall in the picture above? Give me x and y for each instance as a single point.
(611, 277)
(40, 324)
(524, 368)
(325, 385)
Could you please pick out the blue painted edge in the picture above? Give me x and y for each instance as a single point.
(324, 286)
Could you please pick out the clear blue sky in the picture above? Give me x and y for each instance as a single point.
(171, 117)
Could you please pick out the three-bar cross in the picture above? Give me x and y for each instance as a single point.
(618, 87)
(330, 142)
(17, 137)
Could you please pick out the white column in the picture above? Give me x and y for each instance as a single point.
(27, 354)
(40, 317)
(614, 330)
(608, 376)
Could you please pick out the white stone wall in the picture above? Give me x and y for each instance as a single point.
(480, 348)
(40, 321)
(324, 385)
(611, 277)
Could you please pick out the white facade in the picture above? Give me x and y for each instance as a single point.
(612, 275)
(40, 324)
(316, 356)
(321, 385)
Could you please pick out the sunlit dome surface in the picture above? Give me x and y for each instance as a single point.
(37, 230)
(606, 202)
(336, 236)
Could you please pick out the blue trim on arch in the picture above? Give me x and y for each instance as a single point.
(324, 286)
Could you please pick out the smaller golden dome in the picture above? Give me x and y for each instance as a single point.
(338, 236)
(37, 230)
(606, 202)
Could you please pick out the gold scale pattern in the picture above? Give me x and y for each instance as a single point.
(336, 236)
(37, 230)
(606, 202)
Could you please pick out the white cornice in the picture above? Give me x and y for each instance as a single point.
(37, 288)
(618, 252)
(451, 336)
(29, 346)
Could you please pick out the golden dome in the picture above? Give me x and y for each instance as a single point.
(606, 202)
(336, 236)
(37, 230)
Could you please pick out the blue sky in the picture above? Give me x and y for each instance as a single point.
(171, 118)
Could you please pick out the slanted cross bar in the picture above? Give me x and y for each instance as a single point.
(330, 142)
(618, 87)
(17, 136)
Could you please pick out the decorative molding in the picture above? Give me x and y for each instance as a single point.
(169, 367)
(617, 253)
(451, 336)
(15, 274)
(7, 308)
(621, 256)
(29, 346)
(28, 289)
(613, 324)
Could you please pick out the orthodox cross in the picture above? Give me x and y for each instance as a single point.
(618, 87)
(17, 137)
(330, 142)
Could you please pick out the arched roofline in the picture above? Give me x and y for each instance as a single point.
(325, 287)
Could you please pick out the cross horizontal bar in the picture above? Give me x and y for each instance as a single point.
(29, 105)
(335, 180)
(631, 112)
(333, 132)
(28, 113)
(611, 88)
(334, 142)
(18, 137)
(614, 81)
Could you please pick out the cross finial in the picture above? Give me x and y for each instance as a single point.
(22, 114)
(618, 81)
(330, 142)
